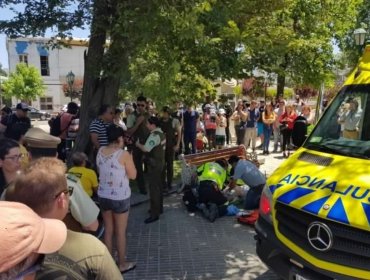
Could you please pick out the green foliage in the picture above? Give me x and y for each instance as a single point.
(25, 83)
(296, 42)
(272, 92)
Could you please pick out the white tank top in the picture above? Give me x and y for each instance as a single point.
(113, 181)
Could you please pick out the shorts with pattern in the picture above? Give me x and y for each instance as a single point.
(220, 140)
(116, 206)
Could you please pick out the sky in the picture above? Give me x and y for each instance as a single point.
(6, 14)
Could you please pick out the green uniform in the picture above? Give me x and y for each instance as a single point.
(212, 171)
(155, 146)
(170, 128)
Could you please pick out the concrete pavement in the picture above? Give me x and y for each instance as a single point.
(181, 246)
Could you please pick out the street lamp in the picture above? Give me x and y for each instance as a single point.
(70, 81)
(360, 35)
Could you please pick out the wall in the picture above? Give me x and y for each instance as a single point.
(61, 61)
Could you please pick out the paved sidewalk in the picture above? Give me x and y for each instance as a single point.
(180, 246)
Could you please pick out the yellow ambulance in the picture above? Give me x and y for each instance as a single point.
(314, 218)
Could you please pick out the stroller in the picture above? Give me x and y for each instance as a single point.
(299, 132)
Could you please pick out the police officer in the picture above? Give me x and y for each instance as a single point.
(136, 124)
(211, 178)
(155, 147)
(171, 127)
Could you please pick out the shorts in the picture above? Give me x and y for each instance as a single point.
(220, 140)
(116, 206)
(259, 128)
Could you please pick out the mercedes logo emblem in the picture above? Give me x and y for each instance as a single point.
(320, 236)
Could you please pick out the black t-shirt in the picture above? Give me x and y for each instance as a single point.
(13, 119)
(261, 110)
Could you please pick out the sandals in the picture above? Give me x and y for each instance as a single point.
(128, 267)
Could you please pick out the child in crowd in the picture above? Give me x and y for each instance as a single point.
(86, 175)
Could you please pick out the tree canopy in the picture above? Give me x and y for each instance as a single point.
(175, 49)
(25, 83)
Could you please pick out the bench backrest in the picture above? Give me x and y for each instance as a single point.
(201, 158)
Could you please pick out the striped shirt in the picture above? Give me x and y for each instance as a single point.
(99, 127)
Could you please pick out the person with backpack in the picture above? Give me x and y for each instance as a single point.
(59, 128)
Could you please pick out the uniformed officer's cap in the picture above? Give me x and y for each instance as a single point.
(38, 138)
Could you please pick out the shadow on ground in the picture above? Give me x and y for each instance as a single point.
(180, 246)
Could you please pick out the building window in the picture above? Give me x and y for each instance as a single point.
(23, 58)
(44, 63)
(46, 103)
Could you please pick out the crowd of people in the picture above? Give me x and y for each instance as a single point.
(92, 197)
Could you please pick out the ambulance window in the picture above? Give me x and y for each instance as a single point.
(345, 126)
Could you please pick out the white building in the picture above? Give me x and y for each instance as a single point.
(53, 63)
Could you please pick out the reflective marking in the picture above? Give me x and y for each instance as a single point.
(294, 194)
(315, 206)
(338, 213)
(367, 211)
(273, 188)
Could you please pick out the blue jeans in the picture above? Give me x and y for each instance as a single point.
(252, 198)
(267, 130)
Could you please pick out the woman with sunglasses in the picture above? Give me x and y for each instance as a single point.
(10, 164)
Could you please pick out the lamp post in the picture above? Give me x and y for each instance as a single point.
(360, 35)
(70, 81)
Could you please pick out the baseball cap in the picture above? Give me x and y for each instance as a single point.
(38, 138)
(222, 111)
(22, 106)
(23, 232)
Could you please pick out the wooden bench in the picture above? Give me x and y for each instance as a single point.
(189, 163)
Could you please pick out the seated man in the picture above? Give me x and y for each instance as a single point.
(83, 211)
(25, 238)
(251, 176)
(211, 179)
(43, 188)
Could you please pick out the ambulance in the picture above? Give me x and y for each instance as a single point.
(314, 220)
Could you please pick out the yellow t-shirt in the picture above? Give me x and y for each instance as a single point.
(88, 178)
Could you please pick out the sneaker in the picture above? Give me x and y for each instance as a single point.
(213, 212)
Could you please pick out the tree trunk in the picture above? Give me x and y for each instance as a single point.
(103, 70)
(280, 85)
(97, 90)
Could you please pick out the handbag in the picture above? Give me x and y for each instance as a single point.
(283, 127)
(242, 125)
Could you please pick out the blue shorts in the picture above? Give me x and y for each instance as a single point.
(259, 128)
(116, 206)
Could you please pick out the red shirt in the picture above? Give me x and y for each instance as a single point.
(290, 119)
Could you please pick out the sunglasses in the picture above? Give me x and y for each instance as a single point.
(69, 191)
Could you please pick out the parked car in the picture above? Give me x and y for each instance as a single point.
(34, 113)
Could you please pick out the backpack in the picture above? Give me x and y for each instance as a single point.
(55, 125)
(299, 131)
